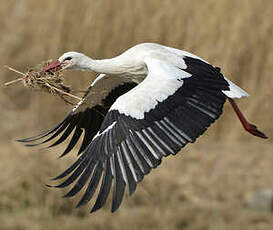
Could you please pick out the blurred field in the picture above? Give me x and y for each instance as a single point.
(208, 185)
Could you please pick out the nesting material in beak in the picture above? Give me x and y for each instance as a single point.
(48, 79)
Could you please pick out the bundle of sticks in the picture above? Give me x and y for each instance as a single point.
(51, 82)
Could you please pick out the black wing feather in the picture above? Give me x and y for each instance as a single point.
(81, 182)
(59, 130)
(105, 187)
(76, 136)
(119, 184)
(93, 184)
(143, 162)
(75, 174)
(130, 181)
(44, 134)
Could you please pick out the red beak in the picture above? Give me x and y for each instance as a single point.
(52, 66)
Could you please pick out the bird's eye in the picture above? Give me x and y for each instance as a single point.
(68, 58)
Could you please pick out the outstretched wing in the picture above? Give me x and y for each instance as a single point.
(158, 117)
(87, 116)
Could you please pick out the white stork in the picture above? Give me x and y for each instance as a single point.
(146, 104)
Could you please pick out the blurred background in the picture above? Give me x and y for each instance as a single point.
(223, 181)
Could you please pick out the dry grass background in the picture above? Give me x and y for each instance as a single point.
(206, 186)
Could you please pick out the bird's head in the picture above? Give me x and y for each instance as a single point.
(69, 61)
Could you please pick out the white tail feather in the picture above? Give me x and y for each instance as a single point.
(235, 91)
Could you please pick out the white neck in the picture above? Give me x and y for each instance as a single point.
(106, 66)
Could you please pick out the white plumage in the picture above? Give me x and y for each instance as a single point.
(146, 104)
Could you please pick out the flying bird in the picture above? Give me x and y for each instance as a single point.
(147, 103)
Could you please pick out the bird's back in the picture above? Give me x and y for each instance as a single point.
(134, 58)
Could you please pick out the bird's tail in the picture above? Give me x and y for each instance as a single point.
(234, 91)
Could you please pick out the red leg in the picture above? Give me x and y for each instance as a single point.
(248, 126)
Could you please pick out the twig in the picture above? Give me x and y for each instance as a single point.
(16, 80)
(14, 70)
(51, 84)
(65, 93)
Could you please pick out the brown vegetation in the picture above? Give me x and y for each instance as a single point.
(207, 185)
(51, 82)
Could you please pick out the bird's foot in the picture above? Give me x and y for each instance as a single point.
(251, 128)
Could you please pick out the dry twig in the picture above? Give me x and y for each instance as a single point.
(50, 82)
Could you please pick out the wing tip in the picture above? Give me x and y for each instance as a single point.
(94, 209)
(81, 203)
